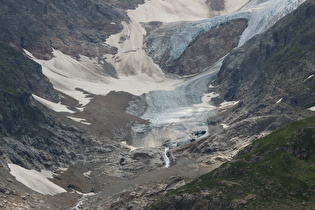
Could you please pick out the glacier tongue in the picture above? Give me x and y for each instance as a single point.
(131, 58)
(264, 14)
(174, 38)
(174, 115)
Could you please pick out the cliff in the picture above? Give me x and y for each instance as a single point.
(271, 78)
(29, 136)
(74, 27)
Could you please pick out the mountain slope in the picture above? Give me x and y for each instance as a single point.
(32, 137)
(276, 64)
(272, 79)
(74, 27)
(275, 172)
(29, 136)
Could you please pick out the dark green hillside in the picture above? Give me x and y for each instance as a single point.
(275, 172)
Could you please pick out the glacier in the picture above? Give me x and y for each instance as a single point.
(177, 107)
(176, 37)
(175, 115)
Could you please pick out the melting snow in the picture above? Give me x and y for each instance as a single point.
(224, 126)
(279, 101)
(66, 74)
(309, 77)
(37, 181)
(58, 107)
(123, 143)
(312, 109)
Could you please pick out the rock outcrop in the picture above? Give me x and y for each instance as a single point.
(29, 136)
(74, 27)
(206, 49)
(274, 65)
(186, 49)
(271, 77)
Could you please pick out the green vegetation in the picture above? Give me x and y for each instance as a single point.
(276, 172)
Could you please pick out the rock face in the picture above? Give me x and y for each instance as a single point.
(188, 48)
(274, 65)
(74, 27)
(20, 75)
(28, 136)
(270, 77)
(207, 49)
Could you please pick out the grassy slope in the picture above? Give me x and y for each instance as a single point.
(276, 172)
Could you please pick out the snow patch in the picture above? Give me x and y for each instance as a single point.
(312, 109)
(68, 74)
(309, 77)
(37, 181)
(123, 143)
(228, 104)
(279, 101)
(58, 107)
(224, 126)
(61, 170)
(87, 174)
(83, 121)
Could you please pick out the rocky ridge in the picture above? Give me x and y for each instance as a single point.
(271, 79)
(74, 27)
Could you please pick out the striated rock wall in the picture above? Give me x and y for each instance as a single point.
(271, 78)
(274, 65)
(187, 48)
(29, 136)
(207, 49)
(74, 27)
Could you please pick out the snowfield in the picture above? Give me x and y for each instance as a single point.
(37, 181)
